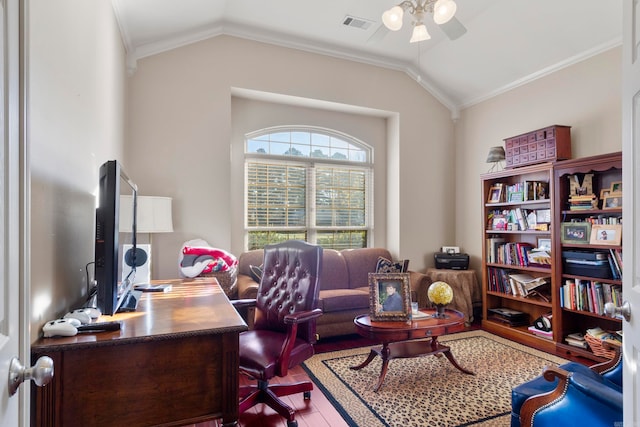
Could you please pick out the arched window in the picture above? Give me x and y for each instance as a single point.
(312, 184)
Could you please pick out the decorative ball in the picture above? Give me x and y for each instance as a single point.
(440, 293)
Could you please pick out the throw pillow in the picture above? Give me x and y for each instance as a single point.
(386, 266)
(256, 272)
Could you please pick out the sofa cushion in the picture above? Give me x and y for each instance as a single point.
(342, 299)
(385, 265)
(334, 270)
(361, 262)
(256, 272)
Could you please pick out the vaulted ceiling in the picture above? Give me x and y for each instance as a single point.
(507, 42)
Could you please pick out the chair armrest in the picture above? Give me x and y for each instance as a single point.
(243, 303)
(302, 316)
(577, 397)
(611, 369)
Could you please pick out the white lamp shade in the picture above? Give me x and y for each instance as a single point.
(154, 214)
(419, 34)
(443, 11)
(392, 18)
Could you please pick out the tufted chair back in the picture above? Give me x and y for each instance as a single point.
(290, 283)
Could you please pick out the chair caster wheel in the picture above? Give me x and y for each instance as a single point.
(306, 395)
(293, 423)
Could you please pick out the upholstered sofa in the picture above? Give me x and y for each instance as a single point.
(344, 286)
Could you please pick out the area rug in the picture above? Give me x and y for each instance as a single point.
(430, 391)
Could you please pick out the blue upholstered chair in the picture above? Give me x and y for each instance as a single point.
(572, 395)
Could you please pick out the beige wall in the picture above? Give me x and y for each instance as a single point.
(75, 121)
(182, 128)
(585, 96)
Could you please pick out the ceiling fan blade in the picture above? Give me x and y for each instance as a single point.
(453, 28)
(379, 34)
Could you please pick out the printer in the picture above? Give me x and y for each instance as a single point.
(452, 260)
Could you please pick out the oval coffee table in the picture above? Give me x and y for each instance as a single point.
(407, 339)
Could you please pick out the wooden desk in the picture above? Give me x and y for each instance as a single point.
(174, 362)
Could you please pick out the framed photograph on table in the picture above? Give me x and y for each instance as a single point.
(606, 234)
(389, 296)
(575, 232)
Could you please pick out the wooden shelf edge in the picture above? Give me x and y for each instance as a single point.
(577, 351)
(520, 335)
(518, 298)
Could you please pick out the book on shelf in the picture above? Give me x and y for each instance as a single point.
(492, 248)
(525, 283)
(540, 333)
(589, 295)
(576, 343)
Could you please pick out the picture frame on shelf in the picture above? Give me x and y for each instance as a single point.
(604, 193)
(606, 234)
(516, 197)
(616, 187)
(575, 232)
(389, 296)
(544, 243)
(612, 201)
(495, 194)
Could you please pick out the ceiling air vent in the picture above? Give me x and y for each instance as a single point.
(352, 21)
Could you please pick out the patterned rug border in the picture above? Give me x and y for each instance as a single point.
(316, 367)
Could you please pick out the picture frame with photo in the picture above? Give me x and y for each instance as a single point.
(616, 187)
(544, 243)
(495, 194)
(612, 201)
(575, 232)
(606, 234)
(389, 297)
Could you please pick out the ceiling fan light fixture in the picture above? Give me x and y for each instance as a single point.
(392, 18)
(443, 11)
(419, 33)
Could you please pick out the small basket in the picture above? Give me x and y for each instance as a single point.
(226, 279)
(598, 348)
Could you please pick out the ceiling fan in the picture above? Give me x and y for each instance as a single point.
(443, 12)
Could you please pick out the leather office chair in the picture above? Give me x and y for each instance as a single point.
(284, 325)
(571, 394)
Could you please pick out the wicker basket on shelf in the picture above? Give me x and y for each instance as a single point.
(598, 348)
(227, 280)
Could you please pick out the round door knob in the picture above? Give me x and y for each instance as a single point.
(41, 373)
(624, 310)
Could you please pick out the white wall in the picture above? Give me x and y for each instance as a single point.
(75, 121)
(182, 127)
(585, 96)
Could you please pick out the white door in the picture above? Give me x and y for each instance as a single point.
(631, 206)
(13, 409)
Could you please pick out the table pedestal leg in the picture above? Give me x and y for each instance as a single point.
(446, 350)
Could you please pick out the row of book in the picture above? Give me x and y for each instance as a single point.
(519, 219)
(589, 295)
(581, 203)
(514, 283)
(529, 190)
(604, 219)
(522, 254)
